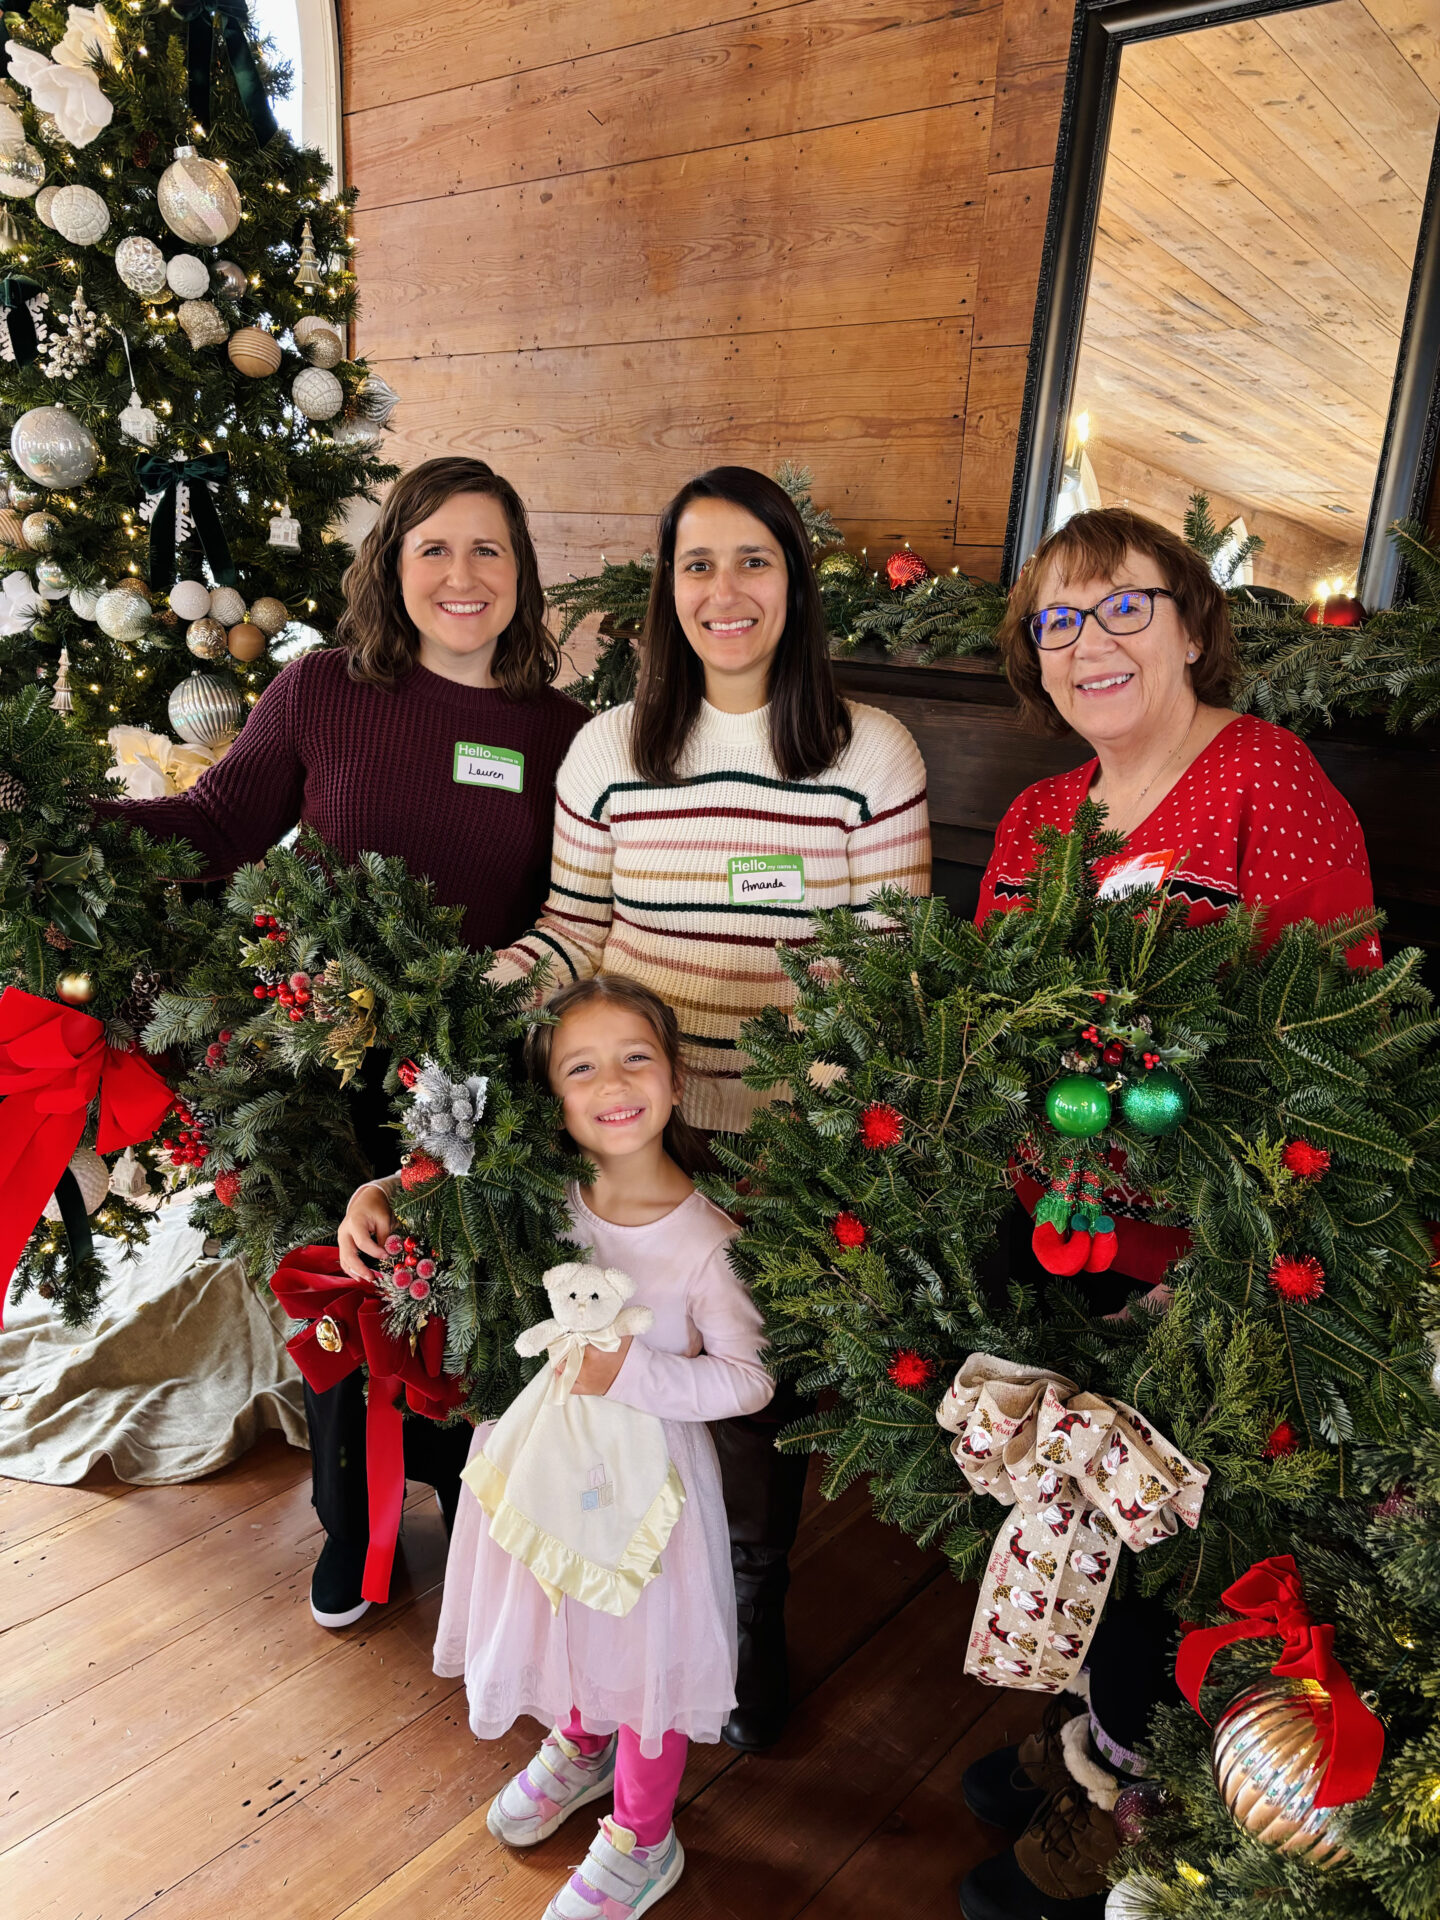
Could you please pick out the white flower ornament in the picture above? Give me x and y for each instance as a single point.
(88, 38)
(21, 606)
(72, 94)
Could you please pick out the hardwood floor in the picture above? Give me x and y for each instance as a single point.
(179, 1739)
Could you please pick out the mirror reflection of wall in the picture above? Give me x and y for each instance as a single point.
(1262, 196)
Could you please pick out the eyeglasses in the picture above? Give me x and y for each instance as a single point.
(1129, 611)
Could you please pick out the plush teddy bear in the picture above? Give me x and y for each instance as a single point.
(588, 1305)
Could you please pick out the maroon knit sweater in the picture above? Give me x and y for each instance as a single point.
(374, 772)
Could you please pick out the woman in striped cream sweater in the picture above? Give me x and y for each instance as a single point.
(697, 830)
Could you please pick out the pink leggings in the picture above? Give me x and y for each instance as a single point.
(645, 1790)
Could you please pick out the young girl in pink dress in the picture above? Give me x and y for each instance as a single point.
(623, 1696)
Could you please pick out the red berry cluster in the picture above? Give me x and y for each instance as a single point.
(187, 1148)
(227, 1187)
(293, 994)
(270, 927)
(1282, 1441)
(413, 1269)
(910, 1369)
(1297, 1276)
(849, 1230)
(1304, 1161)
(216, 1055)
(1151, 1059)
(1092, 1034)
(881, 1126)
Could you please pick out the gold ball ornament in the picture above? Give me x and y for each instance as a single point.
(92, 1176)
(328, 1336)
(841, 566)
(40, 530)
(206, 639)
(245, 641)
(197, 199)
(325, 350)
(227, 606)
(132, 583)
(76, 988)
(254, 352)
(270, 616)
(1266, 1757)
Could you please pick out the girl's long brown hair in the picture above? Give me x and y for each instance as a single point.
(809, 722)
(685, 1144)
(375, 628)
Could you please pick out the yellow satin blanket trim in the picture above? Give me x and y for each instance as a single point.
(563, 1570)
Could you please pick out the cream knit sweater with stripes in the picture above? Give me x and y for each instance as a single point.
(690, 888)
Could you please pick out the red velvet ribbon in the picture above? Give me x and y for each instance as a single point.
(53, 1062)
(1271, 1600)
(310, 1286)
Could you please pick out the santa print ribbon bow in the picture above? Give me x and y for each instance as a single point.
(347, 1331)
(53, 1062)
(1271, 1600)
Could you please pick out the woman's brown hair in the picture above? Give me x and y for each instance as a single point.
(375, 628)
(1093, 546)
(684, 1144)
(809, 722)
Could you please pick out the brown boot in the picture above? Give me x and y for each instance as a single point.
(1008, 1787)
(1056, 1869)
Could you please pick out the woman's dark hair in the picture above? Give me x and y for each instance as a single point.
(809, 722)
(684, 1144)
(1093, 546)
(375, 627)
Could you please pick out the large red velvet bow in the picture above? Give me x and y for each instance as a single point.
(53, 1061)
(347, 1330)
(1271, 1599)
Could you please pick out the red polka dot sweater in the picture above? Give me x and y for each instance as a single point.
(1254, 819)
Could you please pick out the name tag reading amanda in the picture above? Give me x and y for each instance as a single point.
(477, 766)
(766, 876)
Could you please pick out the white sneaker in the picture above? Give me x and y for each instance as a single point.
(559, 1779)
(618, 1879)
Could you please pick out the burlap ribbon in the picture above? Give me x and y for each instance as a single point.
(1087, 1475)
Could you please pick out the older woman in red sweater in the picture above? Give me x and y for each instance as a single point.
(381, 745)
(1117, 631)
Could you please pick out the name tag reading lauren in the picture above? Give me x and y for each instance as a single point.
(766, 876)
(477, 766)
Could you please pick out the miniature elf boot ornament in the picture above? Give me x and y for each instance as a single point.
(1073, 1202)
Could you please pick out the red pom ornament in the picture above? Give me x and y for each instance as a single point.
(1298, 1277)
(911, 1369)
(881, 1126)
(419, 1170)
(905, 569)
(227, 1188)
(1304, 1161)
(407, 1073)
(1282, 1441)
(849, 1230)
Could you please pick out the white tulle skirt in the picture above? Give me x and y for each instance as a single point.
(667, 1666)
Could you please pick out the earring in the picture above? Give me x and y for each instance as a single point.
(1192, 655)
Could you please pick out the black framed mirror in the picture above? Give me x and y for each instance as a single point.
(1240, 285)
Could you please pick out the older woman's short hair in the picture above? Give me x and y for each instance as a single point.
(1093, 546)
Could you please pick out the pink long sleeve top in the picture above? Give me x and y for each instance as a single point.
(701, 1358)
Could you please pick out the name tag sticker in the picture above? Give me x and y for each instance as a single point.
(1137, 873)
(766, 876)
(477, 766)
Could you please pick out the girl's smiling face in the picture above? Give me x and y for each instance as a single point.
(610, 1074)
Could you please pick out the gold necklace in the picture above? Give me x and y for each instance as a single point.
(1157, 773)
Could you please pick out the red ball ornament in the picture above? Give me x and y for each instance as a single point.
(227, 1188)
(1282, 1441)
(419, 1170)
(1135, 1809)
(1298, 1277)
(911, 1369)
(1113, 1054)
(849, 1230)
(905, 569)
(407, 1073)
(1304, 1161)
(1338, 610)
(880, 1126)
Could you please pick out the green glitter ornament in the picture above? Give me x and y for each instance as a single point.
(1157, 1104)
(1078, 1105)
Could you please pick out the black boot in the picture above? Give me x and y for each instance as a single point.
(762, 1683)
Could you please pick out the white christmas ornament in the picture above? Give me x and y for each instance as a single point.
(51, 446)
(83, 603)
(93, 1178)
(42, 205)
(284, 532)
(227, 606)
(141, 265)
(124, 616)
(22, 171)
(188, 277)
(190, 599)
(307, 329)
(138, 422)
(197, 199)
(21, 605)
(377, 400)
(79, 215)
(50, 580)
(12, 127)
(360, 435)
(317, 393)
(72, 94)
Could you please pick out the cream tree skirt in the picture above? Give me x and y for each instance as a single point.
(183, 1369)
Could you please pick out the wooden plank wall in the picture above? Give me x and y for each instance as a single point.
(605, 246)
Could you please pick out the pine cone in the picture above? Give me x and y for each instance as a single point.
(139, 1003)
(61, 942)
(13, 793)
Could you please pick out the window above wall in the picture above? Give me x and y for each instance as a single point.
(305, 35)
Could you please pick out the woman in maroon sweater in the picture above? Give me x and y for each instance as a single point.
(433, 732)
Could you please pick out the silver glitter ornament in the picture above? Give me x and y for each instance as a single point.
(187, 276)
(79, 215)
(54, 448)
(40, 530)
(22, 171)
(1267, 1757)
(141, 265)
(230, 279)
(206, 639)
(270, 615)
(124, 616)
(361, 436)
(197, 199)
(206, 709)
(24, 499)
(317, 393)
(325, 350)
(201, 322)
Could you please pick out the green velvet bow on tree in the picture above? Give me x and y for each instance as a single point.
(234, 20)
